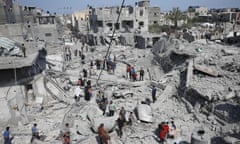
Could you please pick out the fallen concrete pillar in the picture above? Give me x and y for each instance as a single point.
(189, 73)
(206, 70)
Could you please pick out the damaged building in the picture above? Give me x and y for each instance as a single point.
(62, 80)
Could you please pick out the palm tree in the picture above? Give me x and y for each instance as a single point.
(175, 15)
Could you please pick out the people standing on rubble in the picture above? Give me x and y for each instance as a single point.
(66, 138)
(164, 130)
(123, 113)
(35, 133)
(103, 104)
(172, 130)
(85, 73)
(83, 58)
(68, 54)
(99, 97)
(154, 91)
(114, 58)
(91, 64)
(120, 123)
(23, 49)
(65, 134)
(130, 119)
(7, 136)
(111, 108)
(141, 74)
(108, 65)
(77, 94)
(83, 82)
(79, 53)
(103, 135)
(113, 66)
(128, 71)
(133, 72)
(98, 64)
(88, 92)
(79, 83)
(134, 76)
(83, 44)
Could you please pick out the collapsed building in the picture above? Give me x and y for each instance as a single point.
(197, 84)
(132, 20)
(208, 82)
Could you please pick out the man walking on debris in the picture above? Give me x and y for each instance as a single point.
(154, 91)
(111, 108)
(120, 123)
(77, 93)
(103, 135)
(123, 114)
(103, 104)
(128, 72)
(65, 134)
(6, 136)
(141, 74)
(23, 50)
(35, 133)
(130, 118)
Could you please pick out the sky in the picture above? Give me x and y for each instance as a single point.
(68, 6)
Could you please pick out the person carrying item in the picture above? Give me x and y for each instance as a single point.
(103, 134)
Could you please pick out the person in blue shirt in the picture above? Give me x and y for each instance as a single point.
(35, 133)
(6, 135)
(154, 91)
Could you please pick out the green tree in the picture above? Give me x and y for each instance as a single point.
(175, 15)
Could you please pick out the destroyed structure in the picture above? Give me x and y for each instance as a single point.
(49, 84)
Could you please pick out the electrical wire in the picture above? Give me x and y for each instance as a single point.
(110, 44)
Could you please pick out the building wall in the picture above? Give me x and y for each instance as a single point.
(141, 21)
(47, 32)
(17, 12)
(6, 12)
(12, 31)
(202, 11)
(132, 19)
(80, 20)
(154, 15)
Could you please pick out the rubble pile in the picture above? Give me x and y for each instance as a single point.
(197, 88)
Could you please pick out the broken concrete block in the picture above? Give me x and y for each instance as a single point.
(189, 73)
(206, 70)
(230, 95)
(144, 112)
(109, 122)
(227, 52)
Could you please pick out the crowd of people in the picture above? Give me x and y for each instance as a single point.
(108, 107)
(167, 131)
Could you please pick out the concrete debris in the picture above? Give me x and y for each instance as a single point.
(9, 47)
(206, 70)
(79, 84)
(144, 113)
